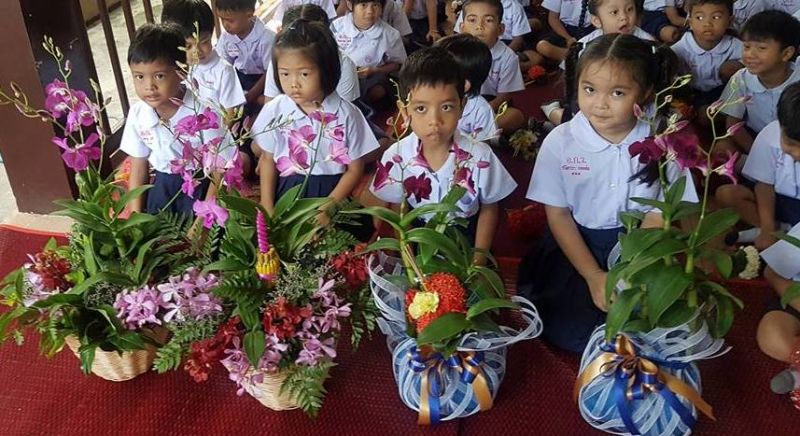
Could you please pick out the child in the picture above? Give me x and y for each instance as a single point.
(436, 155)
(708, 52)
(484, 19)
(148, 137)
(789, 6)
(475, 60)
(423, 17)
(770, 47)
(515, 24)
(662, 19)
(773, 166)
(216, 79)
(568, 23)
(744, 9)
(608, 16)
(285, 5)
(778, 332)
(245, 43)
(374, 46)
(348, 82)
(585, 176)
(395, 16)
(305, 59)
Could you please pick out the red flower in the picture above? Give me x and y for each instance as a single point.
(281, 318)
(452, 298)
(53, 269)
(418, 187)
(535, 72)
(209, 351)
(351, 266)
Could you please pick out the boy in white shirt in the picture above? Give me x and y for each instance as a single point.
(149, 137)
(421, 168)
(475, 60)
(708, 52)
(744, 9)
(484, 20)
(246, 43)
(515, 24)
(770, 47)
(375, 47)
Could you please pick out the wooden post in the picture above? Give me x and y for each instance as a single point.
(33, 163)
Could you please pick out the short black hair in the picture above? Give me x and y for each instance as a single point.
(358, 2)
(308, 11)
(430, 67)
(692, 3)
(317, 42)
(157, 42)
(185, 13)
(789, 111)
(498, 6)
(473, 57)
(235, 5)
(776, 25)
(594, 5)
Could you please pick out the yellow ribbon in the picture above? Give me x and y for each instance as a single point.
(627, 360)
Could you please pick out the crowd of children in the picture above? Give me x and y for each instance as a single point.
(616, 54)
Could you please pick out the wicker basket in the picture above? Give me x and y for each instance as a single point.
(268, 391)
(115, 366)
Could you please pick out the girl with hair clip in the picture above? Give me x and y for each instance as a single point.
(585, 176)
(326, 136)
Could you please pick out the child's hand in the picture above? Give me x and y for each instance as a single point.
(764, 240)
(571, 41)
(251, 97)
(597, 287)
(363, 72)
(323, 219)
(433, 35)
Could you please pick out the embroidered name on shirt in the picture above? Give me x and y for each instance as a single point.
(576, 165)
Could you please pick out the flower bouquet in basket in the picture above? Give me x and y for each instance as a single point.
(638, 373)
(73, 294)
(440, 310)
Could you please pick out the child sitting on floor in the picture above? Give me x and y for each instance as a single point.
(585, 176)
(436, 155)
(149, 134)
(744, 9)
(662, 19)
(515, 24)
(770, 47)
(484, 19)
(773, 167)
(568, 20)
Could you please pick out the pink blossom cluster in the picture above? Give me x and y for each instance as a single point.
(80, 112)
(304, 143)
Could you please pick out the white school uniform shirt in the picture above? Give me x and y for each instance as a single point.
(394, 15)
(784, 257)
(569, 11)
(145, 136)
(768, 164)
(217, 82)
(637, 32)
(704, 64)
(250, 55)
(477, 120)
(514, 19)
(744, 9)
(762, 108)
(285, 5)
(350, 125)
(347, 88)
(577, 169)
(492, 183)
(418, 11)
(788, 6)
(656, 5)
(378, 45)
(505, 75)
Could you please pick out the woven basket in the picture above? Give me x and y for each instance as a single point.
(267, 392)
(115, 366)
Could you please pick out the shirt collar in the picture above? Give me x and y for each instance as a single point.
(587, 138)
(754, 85)
(213, 60)
(330, 104)
(150, 118)
(723, 46)
(463, 141)
(498, 49)
(352, 31)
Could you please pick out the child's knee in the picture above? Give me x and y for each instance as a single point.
(732, 195)
(777, 335)
(511, 120)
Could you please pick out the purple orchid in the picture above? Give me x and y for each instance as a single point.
(273, 354)
(728, 169)
(210, 212)
(237, 365)
(419, 187)
(461, 155)
(138, 307)
(382, 175)
(325, 118)
(189, 184)
(338, 153)
(82, 114)
(337, 133)
(397, 159)
(482, 164)
(463, 177)
(191, 125)
(79, 157)
(58, 98)
(189, 297)
(648, 150)
(683, 148)
(301, 137)
(419, 160)
(314, 350)
(234, 173)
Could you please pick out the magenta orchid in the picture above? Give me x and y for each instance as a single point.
(463, 177)
(79, 157)
(191, 125)
(418, 187)
(382, 175)
(211, 212)
(325, 118)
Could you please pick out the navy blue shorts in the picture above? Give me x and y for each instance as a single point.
(576, 32)
(560, 293)
(653, 22)
(774, 304)
(165, 187)
(704, 98)
(787, 209)
(248, 81)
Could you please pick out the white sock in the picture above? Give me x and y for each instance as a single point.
(550, 107)
(748, 235)
(785, 381)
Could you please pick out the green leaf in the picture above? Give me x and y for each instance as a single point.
(791, 239)
(484, 323)
(304, 209)
(128, 341)
(244, 206)
(423, 235)
(715, 224)
(144, 250)
(675, 192)
(249, 318)
(254, 344)
(386, 215)
(686, 209)
(136, 219)
(87, 357)
(792, 293)
(424, 210)
(620, 311)
(384, 244)
(442, 328)
(89, 259)
(664, 286)
(226, 264)
(631, 219)
(637, 325)
(664, 207)
(639, 240)
(285, 202)
(613, 277)
(492, 279)
(722, 290)
(722, 260)
(128, 196)
(51, 245)
(724, 319)
(677, 314)
(117, 279)
(489, 304)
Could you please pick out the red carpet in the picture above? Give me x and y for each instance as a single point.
(42, 396)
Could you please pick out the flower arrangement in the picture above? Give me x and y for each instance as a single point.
(658, 295)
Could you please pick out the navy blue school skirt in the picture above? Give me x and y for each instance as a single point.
(787, 209)
(548, 279)
(322, 185)
(248, 81)
(165, 187)
(576, 32)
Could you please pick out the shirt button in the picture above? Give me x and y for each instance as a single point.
(612, 186)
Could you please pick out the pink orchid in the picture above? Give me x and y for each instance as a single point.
(684, 149)
(463, 177)
(728, 169)
(648, 150)
(213, 161)
(189, 184)
(732, 130)
(78, 158)
(296, 162)
(234, 174)
(461, 154)
(418, 187)
(419, 160)
(337, 133)
(482, 164)
(210, 212)
(80, 115)
(193, 124)
(338, 153)
(323, 117)
(397, 159)
(382, 175)
(637, 111)
(301, 137)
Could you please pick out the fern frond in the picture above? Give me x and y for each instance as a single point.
(306, 385)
